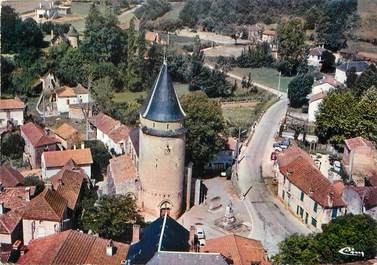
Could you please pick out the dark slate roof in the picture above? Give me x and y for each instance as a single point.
(163, 104)
(134, 136)
(164, 234)
(360, 66)
(187, 258)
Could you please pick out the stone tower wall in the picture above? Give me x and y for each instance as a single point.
(161, 170)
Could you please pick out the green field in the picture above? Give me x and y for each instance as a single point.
(265, 76)
(127, 96)
(173, 14)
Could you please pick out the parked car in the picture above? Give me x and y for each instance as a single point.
(200, 233)
(282, 144)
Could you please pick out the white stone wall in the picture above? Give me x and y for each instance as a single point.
(33, 229)
(62, 103)
(325, 87)
(6, 238)
(314, 60)
(49, 172)
(313, 109)
(16, 115)
(161, 169)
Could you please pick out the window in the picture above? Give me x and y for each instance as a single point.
(315, 206)
(167, 126)
(297, 210)
(314, 222)
(283, 195)
(302, 196)
(334, 213)
(67, 101)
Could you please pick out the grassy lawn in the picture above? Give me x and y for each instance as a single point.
(127, 96)
(173, 14)
(239, 115)
(265, 76)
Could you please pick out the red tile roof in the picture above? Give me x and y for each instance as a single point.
(269, 32)
(68, 184)
(241, 250)
(318, 96)
(48, 205)
(122, 168)
(66, 91)
(104, 122)
(119, 134)
(65, 131)
(327, 79)
(369, 194)
(8, 104)
(299, 168)
(357, 142)
(60, 158)
(36, 135)
(15, 200)
(72, 247)
(10, 177)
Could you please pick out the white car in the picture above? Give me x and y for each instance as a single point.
(200, 233)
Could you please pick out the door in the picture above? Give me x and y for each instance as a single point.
(165, 208)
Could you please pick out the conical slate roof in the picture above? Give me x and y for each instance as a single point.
(163, 104)
(72, 32)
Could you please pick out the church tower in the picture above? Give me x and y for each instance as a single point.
(162, 149)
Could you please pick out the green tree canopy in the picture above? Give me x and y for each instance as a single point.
(100, 156)
(366, 80)
(205, 123)
(298, 89)
(356, 231)
(12, 145)
(290, 37)
(112, 217)
(328, 62)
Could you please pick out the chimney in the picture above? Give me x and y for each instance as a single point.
(48, 185)
(23, 249)
(192, 239)
(135, 233)
(330, 199)
(110, 248)
(82, 145)
(74, 147)
(2, 209)
(27, 189)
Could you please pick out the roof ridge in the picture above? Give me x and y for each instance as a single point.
(162, 232)
(238, 250)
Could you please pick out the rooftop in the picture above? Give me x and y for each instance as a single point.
(358, 142)
(60, 158)
(122, 169)
(10, 177)
(187, 258)
(36, 135)
(360, 66)
(7, 104)
(134, 137)
(15, 200)
(240, 250)
(300, 169)
(104, 122)
(318, 96)
(317, 51)
(164, 234)
(65, 131)
(119, 134)
(48, 205)
(163, 103)
(72, 247)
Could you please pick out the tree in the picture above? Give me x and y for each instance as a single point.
(367, 113)
(212, 82)
(312, 17)
(366, 80)
(351, 77)
(34, 181)
(337, 117)
(12, 145)
(298, 89)
(297, 249)
(356, 231)
(100, 156)
(290, 37)
(328, 62)
(204, 122)
(112, 217)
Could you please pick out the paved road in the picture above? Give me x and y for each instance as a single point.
(271, 221)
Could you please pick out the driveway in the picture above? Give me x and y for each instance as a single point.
(272, 223)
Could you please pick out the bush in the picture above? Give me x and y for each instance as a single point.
(12, 145)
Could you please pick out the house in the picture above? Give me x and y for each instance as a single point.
(53, 162)
(341, 70)
(361, 200)
(64, 10)
(46, 11)
(315, 56)
(305, 191)
(37, 141)
(73, 247)
(13, 202)
(111, 133)
(237, 249)
(224, 158)
(71, 38)
(9, 177)
(11, 111)
(315, 101)
(67, 135)
(360, 160)
(154, 37)
(122, 176)
(66, 96)
(46, 214)
(268, 36)
(255, 32)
